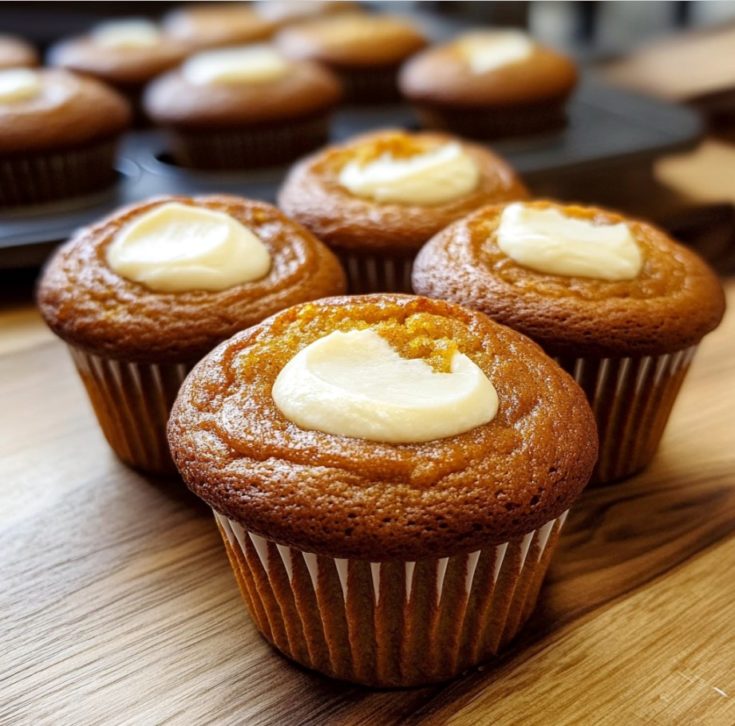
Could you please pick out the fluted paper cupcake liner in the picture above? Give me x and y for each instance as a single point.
(389, 623)
(46, 177)
(381, 272)
(132, 402)
(249, 147)
(632, 399)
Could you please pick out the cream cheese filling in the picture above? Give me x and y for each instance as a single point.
(548, 241)
(178, 247)
(436, 176)
(356, 384)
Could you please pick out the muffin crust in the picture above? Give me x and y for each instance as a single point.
(69, 111)
(352, 40)
(119, 66)
(16, 53)
(306, 89)
(87, 304)
(313, 195)
(440, 76)
(349, 497)
(674, 301)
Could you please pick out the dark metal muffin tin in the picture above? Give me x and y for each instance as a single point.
(609, 130)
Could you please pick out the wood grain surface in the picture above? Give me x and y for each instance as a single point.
(118, 605)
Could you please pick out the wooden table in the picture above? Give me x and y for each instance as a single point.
(118, 605)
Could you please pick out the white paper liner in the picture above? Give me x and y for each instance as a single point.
(632, 399)
(132, 402)
(389, 623)
(376, 273)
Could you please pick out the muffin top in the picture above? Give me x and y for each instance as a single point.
(488, 68)
(394, 189)
(167, 279)
(578, 280)
(121, 52)
(283, 12)
(43, 109)
(242, 85)
(352, 40)
(215, 24)
(16, 53)
(481, 478)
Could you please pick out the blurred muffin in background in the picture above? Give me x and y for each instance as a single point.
(490, 83)
(58, 135)
(124, 53)
(211, 25)
(366, 51)
(284, 12)
(16, 53)
(377, 198)
(238, 108)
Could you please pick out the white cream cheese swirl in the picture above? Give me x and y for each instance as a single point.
(130, 33)
(19, 84)
(548, 241)
(486, 51)
(178, 247)
(433, 177)
(246, 64)
(356, 384)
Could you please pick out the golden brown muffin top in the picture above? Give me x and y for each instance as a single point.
(69, 110)
(16, 52)
(307, 88)
(671, 304)
(313, 195)
(209, 25)
(442, 76)
(348, 497)
(285, 12)
(124, 66)
(90, 306)
(352, 40)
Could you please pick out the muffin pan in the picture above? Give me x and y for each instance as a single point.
(608, 130)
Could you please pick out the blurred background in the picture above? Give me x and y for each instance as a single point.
(681, 169)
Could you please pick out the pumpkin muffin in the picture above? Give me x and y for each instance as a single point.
(285, 12)
(145, 293)
(211, 25)
(366, 51)
(378, 197)
(239, 108)
(58, 135)
(390, 475)
(126, 54)
(489, 84)
(619, 304)
(16, 53)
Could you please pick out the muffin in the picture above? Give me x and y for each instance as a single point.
(16, 53)
(620, 305)
(211, 25)
(389, 474)
(489, 84)
(366, 51)
(377, 198)
(144, 294)
(124, 53)
(238, 108)
(58, 135)
(285, 12)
